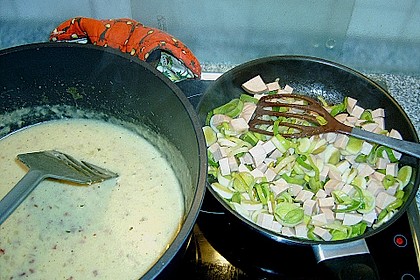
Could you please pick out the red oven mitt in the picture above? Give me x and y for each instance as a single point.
(171, 56)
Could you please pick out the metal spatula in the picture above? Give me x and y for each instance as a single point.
(295, 108)
(50, 164)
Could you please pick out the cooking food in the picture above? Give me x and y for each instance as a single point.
(325, 187)
(296, 115)
(115, 229)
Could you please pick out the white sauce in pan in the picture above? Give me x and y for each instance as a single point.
(116, 229)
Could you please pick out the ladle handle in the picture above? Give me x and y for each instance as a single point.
(19, 192)
(406, 147)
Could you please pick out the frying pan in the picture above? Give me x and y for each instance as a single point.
(109, 85)
(332, 81)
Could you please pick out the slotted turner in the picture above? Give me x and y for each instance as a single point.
(50, 164)
(299, 107)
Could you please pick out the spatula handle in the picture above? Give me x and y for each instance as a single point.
(406, 147)
(19, 192)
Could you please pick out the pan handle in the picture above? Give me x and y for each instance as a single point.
(345, 261)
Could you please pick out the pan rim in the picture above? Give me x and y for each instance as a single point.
(191, 214)
(230, 74)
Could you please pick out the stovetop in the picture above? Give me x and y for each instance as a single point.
(395, 251)
(218, 251)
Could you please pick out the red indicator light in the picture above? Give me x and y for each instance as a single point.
(400, 240)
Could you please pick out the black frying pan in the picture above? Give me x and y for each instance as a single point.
(110, 84)
(318, 77)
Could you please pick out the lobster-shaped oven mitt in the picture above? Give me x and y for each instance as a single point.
(170, 56)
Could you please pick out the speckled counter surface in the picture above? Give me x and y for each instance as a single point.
(406, 91)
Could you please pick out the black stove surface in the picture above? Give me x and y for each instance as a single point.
(218, 251)
(393, 250)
